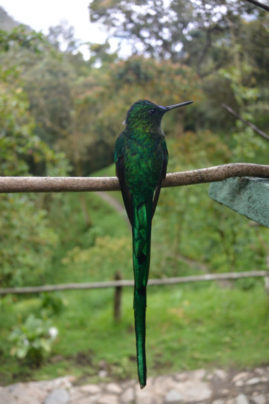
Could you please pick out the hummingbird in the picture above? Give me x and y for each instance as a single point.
(141, 158)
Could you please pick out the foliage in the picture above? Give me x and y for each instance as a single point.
(78, 105)
(21, 150)
(52, 303)
(187, 328)
(24, 230)
(21, 37)
(53, 101)
(62, 35)
(207, 36)
(179, 320)
(246, 96)
(108, 254)
(101, 105)
(192, 31)
(33, 340)
(25, 236)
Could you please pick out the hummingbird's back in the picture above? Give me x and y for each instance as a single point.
(143, 159)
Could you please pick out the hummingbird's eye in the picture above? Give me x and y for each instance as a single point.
(152, 111)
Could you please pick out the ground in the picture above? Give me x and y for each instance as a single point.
(216, 386)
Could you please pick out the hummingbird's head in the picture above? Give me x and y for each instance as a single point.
(147, 115)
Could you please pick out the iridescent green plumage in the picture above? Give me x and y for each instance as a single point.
(141, 160)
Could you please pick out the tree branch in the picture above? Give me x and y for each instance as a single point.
(85, 184)
(258, 4)
(251, 125)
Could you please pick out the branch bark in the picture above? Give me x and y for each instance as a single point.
(251, 125)
(85, 184)
(259, 4)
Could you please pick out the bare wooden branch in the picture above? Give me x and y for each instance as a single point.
(58, 184)
(251, 125)
(84, 184)
(259, 4)
(124, 283)
(216, 173)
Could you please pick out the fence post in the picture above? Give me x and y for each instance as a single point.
(266, 278)
(117, 298)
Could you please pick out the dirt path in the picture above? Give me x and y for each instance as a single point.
(114, 203)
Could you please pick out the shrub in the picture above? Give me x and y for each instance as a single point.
(32, 340)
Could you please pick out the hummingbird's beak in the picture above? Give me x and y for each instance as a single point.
(182, 104)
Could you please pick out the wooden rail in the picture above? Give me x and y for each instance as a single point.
(126, 283)
(118, 284)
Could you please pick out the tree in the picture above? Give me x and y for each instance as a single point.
(178, 30)
(103, 98)
(25, 234)
(62, 37)
(50, 99)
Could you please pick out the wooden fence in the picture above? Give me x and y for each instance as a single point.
(118, 284)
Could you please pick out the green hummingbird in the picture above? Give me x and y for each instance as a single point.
(141, 158)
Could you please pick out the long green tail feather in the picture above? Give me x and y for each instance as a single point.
(141, 260)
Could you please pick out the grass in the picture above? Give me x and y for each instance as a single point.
(188, 326)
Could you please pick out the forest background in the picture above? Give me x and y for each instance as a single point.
(60, 115)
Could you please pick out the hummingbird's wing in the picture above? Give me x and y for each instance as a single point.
(125, 192)
(162, 176)
(120, 171)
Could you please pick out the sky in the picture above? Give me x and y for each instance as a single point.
(41, 14)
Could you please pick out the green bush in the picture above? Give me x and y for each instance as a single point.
(52, 303)
(33, 340)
